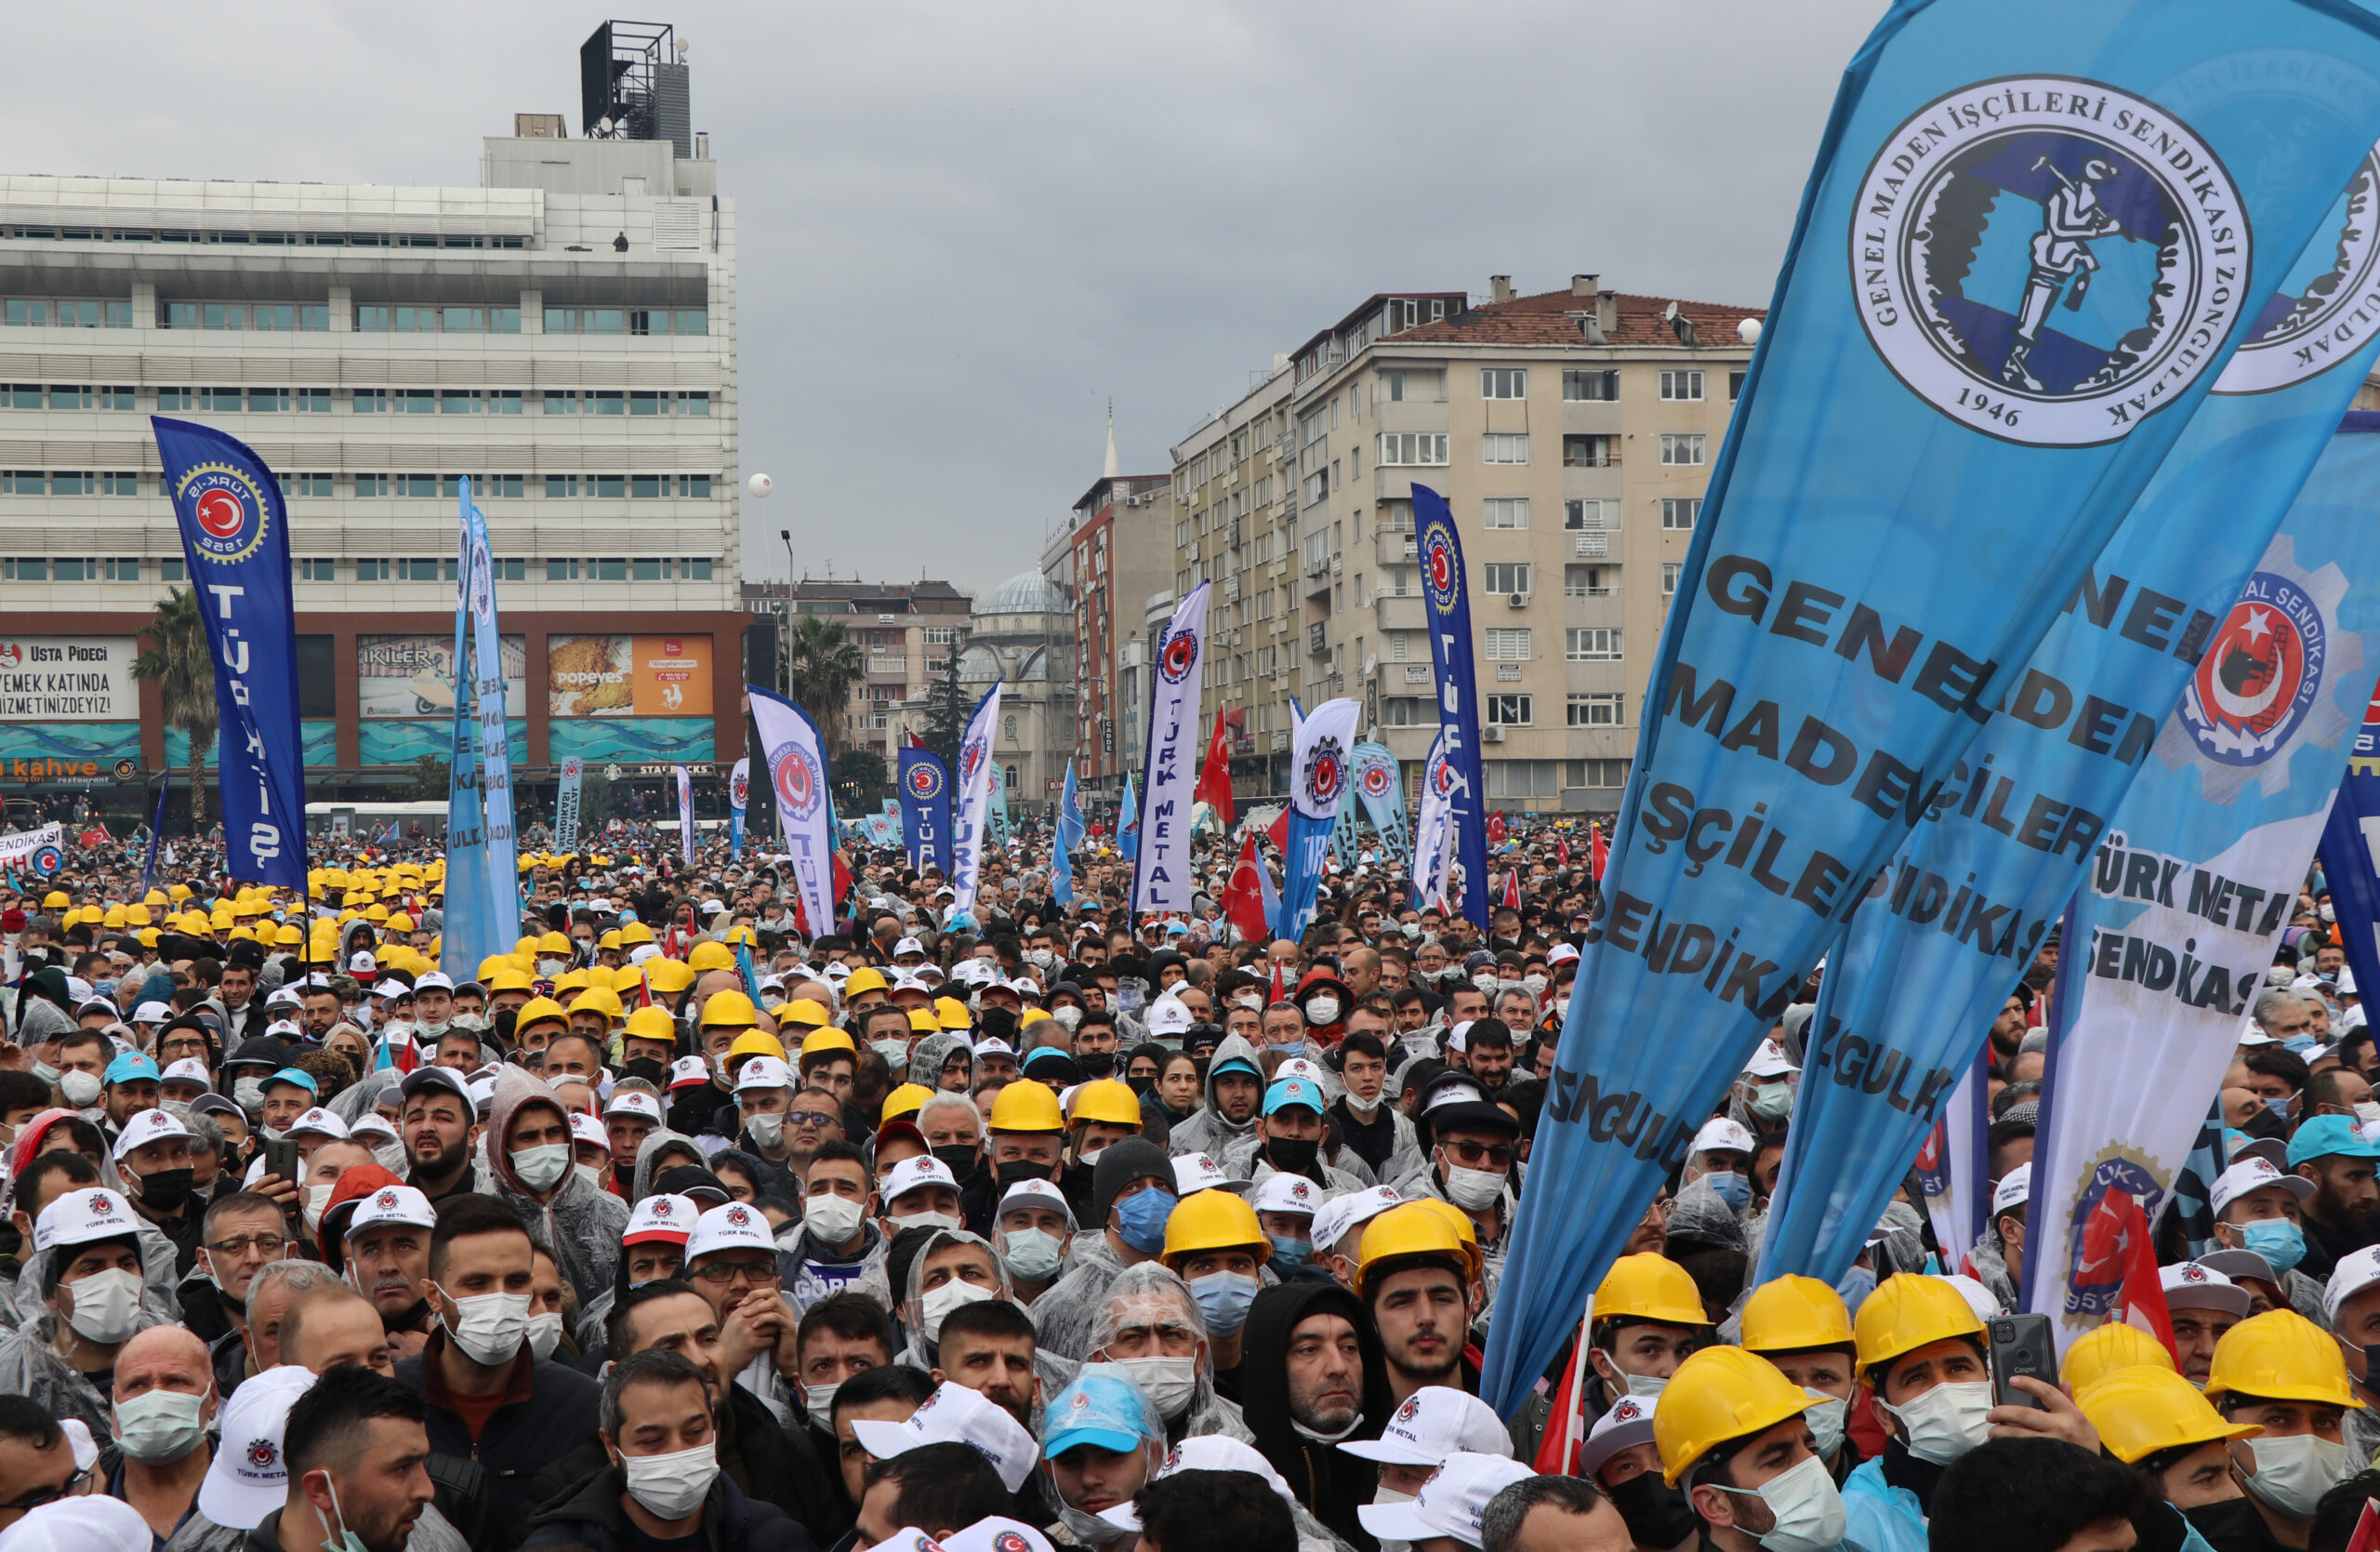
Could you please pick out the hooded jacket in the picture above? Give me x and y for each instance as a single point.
(589, 1518)
(1323, 978)
(1325, 1479)
(808, 1271)
(1207, 1131)
(580, 1225)
(549, 1408)
(159, 1274)
(648, 1153)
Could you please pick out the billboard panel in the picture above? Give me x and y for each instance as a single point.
(68, 679)
(628, 676)
(413, 676)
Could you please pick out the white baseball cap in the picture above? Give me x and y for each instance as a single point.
(1297, 1066)
(633, 1102)
(189, 1069)
(2015, 1190)
(736, 1226)
(2191, 1286)
(392, 1204)
(2254, 1175)
(1198, 1172)
(907, 945)
(1435, 1422)
(996, 1533)
(909, 1175)
(585, 1128)
(1770, 1061)
(1334, 1219)
(662, 1216)
(363, 961)
(152, 1012)
(249, 1479)
(1208, 1452)
(1284, 1193)
(1033, 1193)
(371, 1123)
(956, 1414)
(1723, 1133)
(1168, 1015)
(764, 1073)
(82, 1215)
(2356, 1271)
(437, 979)
(1451, 1503)
(1627, 1424)
(319, 1121)
(390, 988)
(689, 1069)
(146, 1127)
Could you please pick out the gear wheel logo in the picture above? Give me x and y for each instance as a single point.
(225, 514)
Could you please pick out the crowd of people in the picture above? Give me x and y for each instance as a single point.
(678, 1225)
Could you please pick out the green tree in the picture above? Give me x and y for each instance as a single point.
(947, 708)
(826, 663)
(177, 659)
(430, 778)
(861, 782)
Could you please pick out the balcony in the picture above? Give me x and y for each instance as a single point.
(888, 668)
(1399, 614)
(1395, 546)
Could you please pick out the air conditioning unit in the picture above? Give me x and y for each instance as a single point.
(1491, 734)
(1516, 601)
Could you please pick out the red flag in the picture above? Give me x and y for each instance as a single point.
(1279, 833)
(2367, 1529)
(1214, 777)
(1244, 896)
(1512, 900)
(916, 740)
(2116, 1235)
(1602, 855)
(1496, 828)
(1565, 1429)
(1561, 850)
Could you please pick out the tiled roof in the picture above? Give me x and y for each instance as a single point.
(1552, 318)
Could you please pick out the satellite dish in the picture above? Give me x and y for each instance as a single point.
(1749, 331)
(685, 44)
(604, 124)
(760, 486)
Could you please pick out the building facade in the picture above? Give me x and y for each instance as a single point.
(1022, 635)
(563, 335)
(906, 634)
(1120, 543)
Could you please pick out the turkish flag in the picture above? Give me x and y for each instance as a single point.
(1245, 896)
(1512, 900)
(2367, 1529)
(1214, 777)
(1279, 832)
(1602, 855)
(1496, 828)
(1561, 850)
(2117, 1232)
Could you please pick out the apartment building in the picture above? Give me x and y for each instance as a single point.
(1120, 544)
(564, 334)
(1572, 432)
(904, 633)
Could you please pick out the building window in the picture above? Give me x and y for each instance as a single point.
(648, 486)
(171, 569)
(647, 402)
(69, 395)
(562, 571)
(561, 401)
(1511, 710)
(308, 484)
(1580, 387)
(173, 398)
(1503, 448)
(1683, 448)
(611, 486)
(1594, 712)
(1679, 511)
(1504, 512)
(312, 400)
(1682, 385)
(23, 482)
(1586, 581)
(373, 571)
(1506, 646)
(607, 401)
(693, 485)
(317, 570)
(73, 482)
(219, 398)
(1669, 578)
(121, 568)
(1599, 772)
(503, 569)
(1503, 382)
(457, 401)
(697, 569)
(422, 486)
(1735, 386)
(647, 568)
(1505, 576)
(1591, 452)
(117, 398)
(65, 569)
(422, 569)
(121, 481)
(502, 401)
(1594, 644)
(1410, 450)
(20, 395)
(1590, 516)
(693, 404)
(371, 485)
(610, 569)
(562, 484)
(30, 568)
(371, 401)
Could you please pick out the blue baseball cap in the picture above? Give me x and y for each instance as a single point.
(1234, 1064)
(131, 1068)
(1106, 1410)
(292, 1075)
(2328, 1137)
(1293, 1091)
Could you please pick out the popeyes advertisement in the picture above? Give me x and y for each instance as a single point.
(628, 676)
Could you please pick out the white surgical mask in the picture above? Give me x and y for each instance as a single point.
(318, 1198)
(1646, 1386)
(1169, 1383)
(488, 1327)
(1071, 1017)
(940, 1302)
(832, 1219)
(672, 1486)
(1383, 1497)
(768, 1130)
(1826, 1420)
(1808, 1510)
(820, 1401)
(551, 966)
(160, 1425)
(1033, 1254)
(81, 1089)
(1946, 1421)
(542, 1166)
(545, 1331)
(1322, 1010)
(2293, 1473)
(106, 1304)
(1473, 1189)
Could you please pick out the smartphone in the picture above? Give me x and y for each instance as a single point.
(281, 1158)
(2020, 1344)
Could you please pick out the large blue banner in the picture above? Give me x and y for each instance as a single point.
(925, 809)
(235, 542)
(1446, 589)
(2348, 853)
(1069, 836)
(495, 746)
(1955, 919)
(1128, 824)
(1319, 744)
(468, 932)
(2035, 231)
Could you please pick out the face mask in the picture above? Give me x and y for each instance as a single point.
(165, 1190)
(1772, 1102)
(1016, 1169)
(48, 1074)
(1292, 1155)
(1322, 1010)
(1169, 1383)
(318, 1198)
(672, 1486)
(1096, 1063)
(961, 1158)
(2293, 1473)
(2368, 1113)
(1946, 1421)
(160, 1425)
(1033, 1254)
(81, 1089)
(1533, 985)
(938, 1303)
(1223, 1299)
(1657, 1515)
(1141, 1220)
(1473, 1189)
(1252, 1001)
(541, 1166)
(1826, 1421)
(1857, 1284)
(2278, 1105)
(768, 1130)
(831, 1219)
(1809, 1511)
(1561, 1010)
(1069, 1018)
(1288, 1255)
(589, 1173)
(426, 1031)
(1733, 1188)
(544, 1333)
(2232, 1525)
(1143, 1085)
(925, 1220)
(1646, 1386)
(819, 1400)
(550, 966)
(2278, 1240)
(346, 1539)
(105, 1306)
(490, 1328)
(2328, 913)
(894, 1051)
(1385, 1496)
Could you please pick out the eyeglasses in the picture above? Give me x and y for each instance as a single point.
(42, 1495)
(272, 1244)
(754, 1273)
(807, 1118)
(1498, 1155)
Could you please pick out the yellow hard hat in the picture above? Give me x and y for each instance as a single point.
(1907, 1311)
(922, 1021)
(756, 1043)
(726, 1009)
(154, 897)
(112, 917)
(539, 1010)
(1719, 1394)
(826, 1039)
(610, 939)
(376, 912)
(634, 934)
(742, 935)
(506, 976)
(243, 932)
(2104, 1349)
(2282, 1356)
(906, 1100)
(1789, 1313)
(808, 1012)
(710, 956)
(400, 923)
(1650, 1288)
(493, 964)
(137, 916)
(1409, 1228)
(570, 980)
(668, 976)
(952, 1014)
(555, 942)
(2143, 1408)
(1106, 1100)
(1026, 1105)
(651, 1024)
(1032, 1016)
(289, 934)
(863, 980)
(220, 919)
(597, 1000)
(149, 936)
(593, 976)
(1214, 1220)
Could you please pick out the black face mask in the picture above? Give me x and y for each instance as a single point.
(1018, 1169)
(649, 1070)
(1294, 1155)
(1657, 1515)
(1096, 1063)
(165, 1190)
(2232, 1525)
(964, 1158)
(1199, 1064)
(1142, 1084)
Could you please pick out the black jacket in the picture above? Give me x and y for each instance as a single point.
(550, 1410)
(1327, 1480)
(589, 1519)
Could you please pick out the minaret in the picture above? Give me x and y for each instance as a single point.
(1111, 439)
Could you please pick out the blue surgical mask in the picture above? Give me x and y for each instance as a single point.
(2278, 1240)
(2279, 1105)
(1289, 1253)
(1857, 1284)
(1733, 1188)
(1223, 1299)
(1140, 1220)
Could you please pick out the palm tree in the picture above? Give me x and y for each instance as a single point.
(183, 665)
(824, 664)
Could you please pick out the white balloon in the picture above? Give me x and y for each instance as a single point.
(760, 486)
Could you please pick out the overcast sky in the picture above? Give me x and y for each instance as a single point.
(965, 225)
